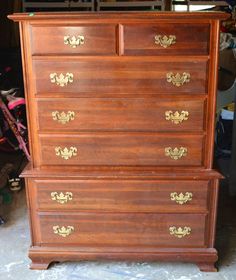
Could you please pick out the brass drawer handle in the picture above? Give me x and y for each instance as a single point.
(61, 80)
(61, 197)
(165, 41)
(66, 153)
(176, 153)
(178, 79)
(63, 231)
(74, 41)
(176, 117)
(181, 198)
(179, 232)
(63, 117)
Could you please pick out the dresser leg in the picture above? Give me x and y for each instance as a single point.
(207, 267)
(39, 265)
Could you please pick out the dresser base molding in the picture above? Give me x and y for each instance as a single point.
(42, 257)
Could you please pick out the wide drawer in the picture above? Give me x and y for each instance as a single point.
(122, 149)
(118, 76)
(166, 39)
(119, 114)
(83, 39)
(115, 229)
(120, 195)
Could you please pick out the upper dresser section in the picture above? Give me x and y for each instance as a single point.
(120, 89)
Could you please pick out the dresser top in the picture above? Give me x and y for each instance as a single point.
(117, 16)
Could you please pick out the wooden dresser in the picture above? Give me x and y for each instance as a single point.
(121, 113)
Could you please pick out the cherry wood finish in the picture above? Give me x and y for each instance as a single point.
(138, 39)
(120, 179)
(116, 229)
(121, 114)
(121, 195)
(122, 149)
(99, 40)
(115, 76)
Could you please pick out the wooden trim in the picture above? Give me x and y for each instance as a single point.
(212, 89)
(118, 16)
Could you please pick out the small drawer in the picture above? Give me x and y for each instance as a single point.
(81, 40)
(120, 195)
(103, 77)
(127, 114)
(166, 39)
(116, 229)
(121, 149)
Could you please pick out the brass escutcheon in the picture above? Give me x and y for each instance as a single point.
(165, 40)
(179, 232)
(181, 198)
(61, 80)
(178, 79)
(63, 231)
(63, 117)
(61, 197)
(176, 117)
(66, 153)
(74, 41)
(176, 153)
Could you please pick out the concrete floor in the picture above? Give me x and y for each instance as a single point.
(15, 239)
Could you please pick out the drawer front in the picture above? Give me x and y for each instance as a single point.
(87, 40)
(115, 229)
(166, 39)
(132, 114)
(122, 149)
(117, 76)
(121, 195)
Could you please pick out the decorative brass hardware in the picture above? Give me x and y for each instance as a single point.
(63, 231)
(178, 79)
(181, 198)
(179, 232)
(66, 153)
(177, 117)
(176, 153)
(165, 41)
(63, 117)
(61, 80)
(61, 197)
(74, 41)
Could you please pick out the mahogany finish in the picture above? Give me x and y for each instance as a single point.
(101, 184)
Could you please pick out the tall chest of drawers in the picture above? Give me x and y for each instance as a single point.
(121, 110)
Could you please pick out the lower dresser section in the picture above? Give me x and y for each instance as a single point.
(129, 218)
